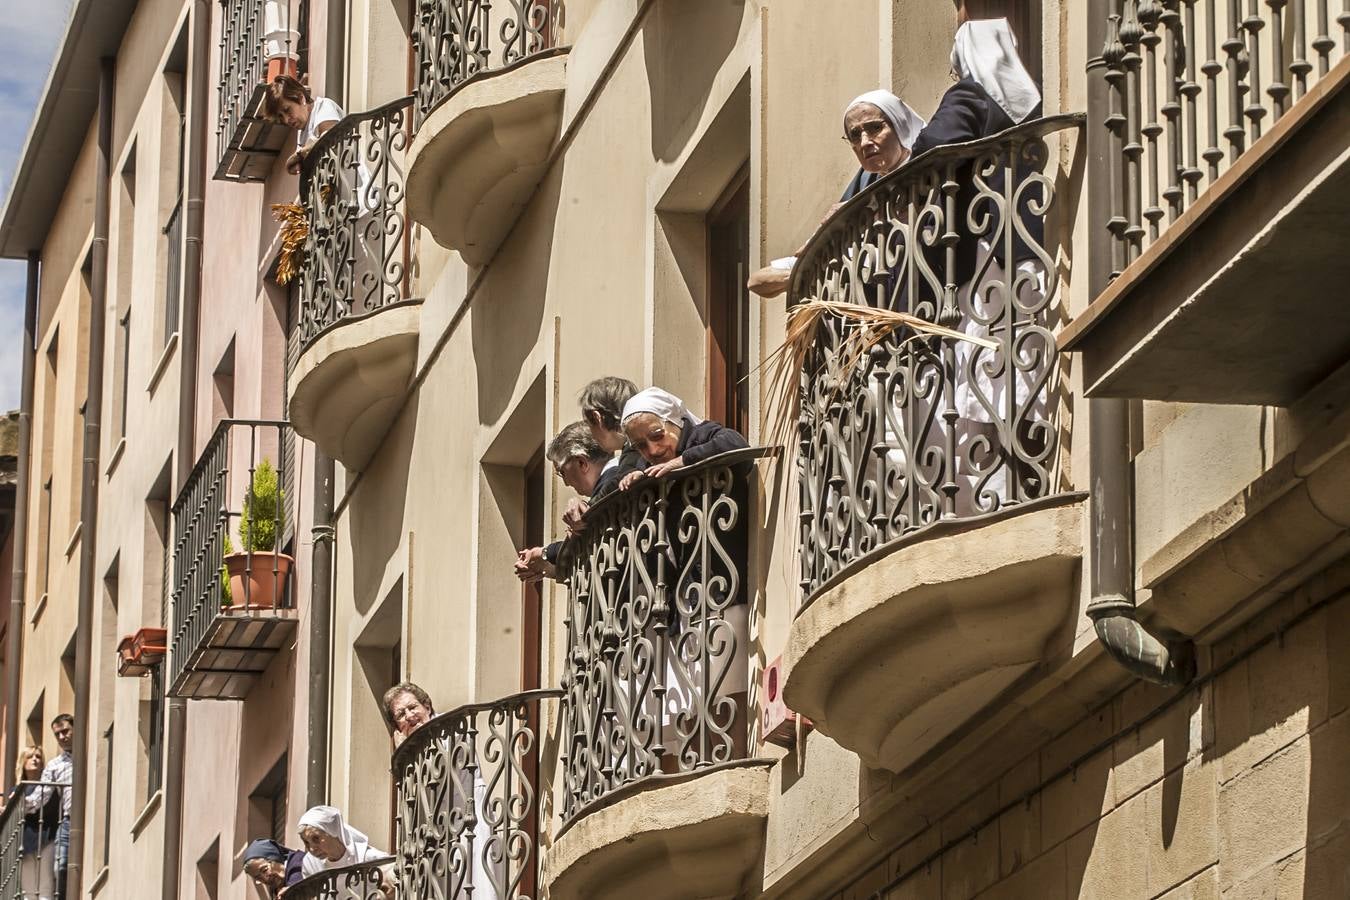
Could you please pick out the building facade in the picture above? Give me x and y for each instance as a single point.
(1029, 584)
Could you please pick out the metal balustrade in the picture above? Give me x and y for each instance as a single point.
(205, 530)
(458, 39)
(27, 863)
(913, 430)
(467, 811)
(658, 593)
(1193, 83)
(362, 881)
(352, 189)
(243, 65)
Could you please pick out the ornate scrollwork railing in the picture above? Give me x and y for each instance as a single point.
(1192, 86)
(658, 592)
(352, 186)
(362, 881)
(458, 39)
(915, 430)
(468, 797)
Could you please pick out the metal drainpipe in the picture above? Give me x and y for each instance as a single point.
(14, 642)
(321, 535)
(175, 732)
(1112, 608)
(93, 413)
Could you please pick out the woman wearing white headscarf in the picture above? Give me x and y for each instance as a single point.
(330, 843)
(668, 436)
(881, 129)
(993, 92)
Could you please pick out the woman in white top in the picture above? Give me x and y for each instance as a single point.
(289, 102)
(330, 843)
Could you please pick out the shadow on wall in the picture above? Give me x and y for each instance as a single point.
(508, 313)
(378, 506)
(685, 45)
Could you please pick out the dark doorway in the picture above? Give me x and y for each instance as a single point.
(729, 305)
(532, 598)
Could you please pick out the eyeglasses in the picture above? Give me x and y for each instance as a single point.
(872, 128)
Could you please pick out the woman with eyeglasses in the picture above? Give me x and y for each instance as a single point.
(881, 129)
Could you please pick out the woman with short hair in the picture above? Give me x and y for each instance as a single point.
(290, 102)
(406, 708)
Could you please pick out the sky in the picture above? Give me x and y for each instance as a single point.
(28, 40)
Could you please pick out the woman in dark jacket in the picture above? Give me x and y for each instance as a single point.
(272, 867)
(41, 819)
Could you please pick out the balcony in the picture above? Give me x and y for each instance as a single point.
(233, 596)
(361, 881)
(490, 82)
(468, 801)
(16, 881)
(1230, 186)
(940, 540)
(257, 43)
(358, 329)
(656, 787)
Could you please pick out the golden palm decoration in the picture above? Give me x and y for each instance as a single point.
(294, 230)
(865, 327)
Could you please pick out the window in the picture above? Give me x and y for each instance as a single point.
(267, 804)
(154, 728)
(107, 792)
(123, 367)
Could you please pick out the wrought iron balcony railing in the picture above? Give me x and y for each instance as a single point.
(228, 558)
(913, 430)
(659, 589)
(468, 802)
(356, 253)
(458, 39)
(1192, 85)
(362, 881)
(258, 40)
(26, 860)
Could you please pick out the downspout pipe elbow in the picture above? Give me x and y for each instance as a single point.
(1135, 648)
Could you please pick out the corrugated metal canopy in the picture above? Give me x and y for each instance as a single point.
(68, 104)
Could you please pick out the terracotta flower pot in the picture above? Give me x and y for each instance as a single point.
(260, 584)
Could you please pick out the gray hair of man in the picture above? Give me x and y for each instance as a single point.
(573, 441)
(605, 397)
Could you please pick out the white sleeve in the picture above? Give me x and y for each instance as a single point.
(325, 110)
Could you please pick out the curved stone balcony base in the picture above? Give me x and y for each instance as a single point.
(479, 155)
(894, 656)
(351, 381)
(702, 831)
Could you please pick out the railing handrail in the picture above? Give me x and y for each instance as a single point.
(319, 878)
(217, 434)
(924, 164)
(345, 125)
(426, 732)
(728, 458)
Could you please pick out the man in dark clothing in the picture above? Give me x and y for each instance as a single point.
(587, 468)
(272, 867)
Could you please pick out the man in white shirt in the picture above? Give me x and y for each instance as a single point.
(58, 771)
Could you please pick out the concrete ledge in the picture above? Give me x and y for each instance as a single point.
(698, 836)
(896, 657)
(350, 382)
(479, 156)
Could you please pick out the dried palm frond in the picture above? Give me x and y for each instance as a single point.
(865, 326)
(294, 229)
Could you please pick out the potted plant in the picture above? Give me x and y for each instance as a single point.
(258, 573)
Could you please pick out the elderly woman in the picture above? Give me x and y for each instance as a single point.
(289, 102)
(331, 843)
(41, 818)
(669, 437)
(273, 867)
(880, 128)
(406, 708)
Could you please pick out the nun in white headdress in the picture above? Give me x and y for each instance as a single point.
(993, 92)
(331, 843)
(881, 130)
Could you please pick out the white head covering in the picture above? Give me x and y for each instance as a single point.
(662, 404)
(328, 819)
(906, 122)
(986, 50)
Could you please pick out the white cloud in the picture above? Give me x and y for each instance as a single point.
(28, 41)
